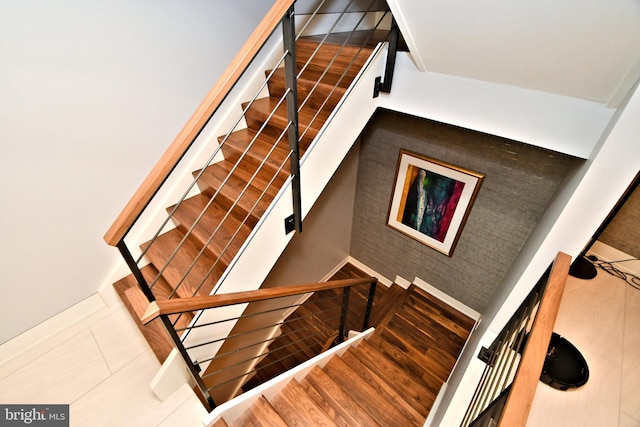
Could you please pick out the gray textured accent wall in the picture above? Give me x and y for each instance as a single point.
(519, 182)
(623, 232)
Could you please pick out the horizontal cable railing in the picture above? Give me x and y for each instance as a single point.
(196, 123)
(218, 192)
(215, 243)
(515, 358)
(279, 329)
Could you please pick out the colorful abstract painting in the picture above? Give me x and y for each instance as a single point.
(431, 200)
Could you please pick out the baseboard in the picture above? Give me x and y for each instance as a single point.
(436, 404)
(462, 308)
(369, 271)
(418, 282)
(44, 331)
(402, 282)
(607, 253)
(335, 269)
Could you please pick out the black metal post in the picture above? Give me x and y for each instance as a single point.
(343, 314)
(133, 266)
(385, 86)
(367, 312)
(193, 369)
(289, 41)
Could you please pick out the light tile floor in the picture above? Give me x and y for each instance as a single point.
(102, 368)
(601, 318)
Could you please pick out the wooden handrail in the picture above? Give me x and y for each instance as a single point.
(194, 125)
(182, 305)
(523, 388)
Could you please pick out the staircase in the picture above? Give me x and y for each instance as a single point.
(211, 227)
(391, 379)
(312, 328)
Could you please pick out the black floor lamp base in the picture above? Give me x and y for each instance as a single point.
(582, 268)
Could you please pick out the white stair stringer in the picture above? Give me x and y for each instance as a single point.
(233, 409)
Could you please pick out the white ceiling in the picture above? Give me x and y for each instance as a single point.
(586, 49)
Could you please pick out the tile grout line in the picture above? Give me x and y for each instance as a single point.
(624, 326)
(104, 359)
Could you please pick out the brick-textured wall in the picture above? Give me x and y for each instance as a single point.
(519, 181)
(623, 232)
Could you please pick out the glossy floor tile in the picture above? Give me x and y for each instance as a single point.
(601, 318)
(102, 368)
(125, 399)
(61, 375)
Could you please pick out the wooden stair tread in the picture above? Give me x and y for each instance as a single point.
(445, 324)
(412, 390)
(418, 339)
(262, 181)
(259, 147)
(317, 89)
(201, 277)
(456, 317)
(396, 297)
(350, 60)
(220, 423)
(310, 119)
(335, 401)
(349, 271)
(430, 327)
(136, 303)
(368, 38)
(260, 414)
(229, 233)
(383, 388)
(416, 364)
(243, 197)
(377, 406)
(297, 408)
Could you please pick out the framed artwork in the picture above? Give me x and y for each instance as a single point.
(431, 200)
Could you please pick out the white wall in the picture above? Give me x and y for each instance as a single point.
(580, 49)
(92, 94)
(568, 225)
(560, 123)
(326, 231)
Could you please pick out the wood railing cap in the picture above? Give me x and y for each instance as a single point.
(523, 388)
(182, 305)
(195, 124)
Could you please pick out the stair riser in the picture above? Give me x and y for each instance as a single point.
(227, 231)
(246, 202)
(256, 118)
(316, 95)
(254, 159)
(349, 61)
(135, 302)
